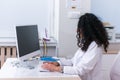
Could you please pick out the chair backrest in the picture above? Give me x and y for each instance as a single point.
(115, 70)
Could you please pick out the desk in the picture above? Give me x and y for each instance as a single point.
(10, 72)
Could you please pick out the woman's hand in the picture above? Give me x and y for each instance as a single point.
(51, 67)
(54, 63)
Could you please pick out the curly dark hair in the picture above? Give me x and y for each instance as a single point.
(91, 29)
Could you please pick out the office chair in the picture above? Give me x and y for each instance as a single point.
(115, 69)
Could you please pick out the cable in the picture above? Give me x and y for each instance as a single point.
(45, 48)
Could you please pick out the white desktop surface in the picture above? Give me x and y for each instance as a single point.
(11, 72)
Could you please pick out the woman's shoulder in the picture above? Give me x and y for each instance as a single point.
(94, 48)
(93, 45)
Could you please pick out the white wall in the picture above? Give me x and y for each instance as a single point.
(108, 10)
(23, 12)
(67, 28)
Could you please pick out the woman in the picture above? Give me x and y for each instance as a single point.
(92, 41)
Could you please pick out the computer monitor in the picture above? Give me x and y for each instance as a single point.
(27, 41)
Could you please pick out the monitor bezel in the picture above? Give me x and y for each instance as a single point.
(29, 55)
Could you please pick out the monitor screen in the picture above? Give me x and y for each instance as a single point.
(27, 41)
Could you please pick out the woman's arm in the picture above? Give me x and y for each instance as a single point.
(65, 62)
(87, 62)
(68, 62)
(57, 66)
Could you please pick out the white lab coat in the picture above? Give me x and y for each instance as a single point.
(85, 64)
(115, 70)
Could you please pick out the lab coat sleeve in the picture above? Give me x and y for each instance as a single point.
(87, 62)
(65, 62)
